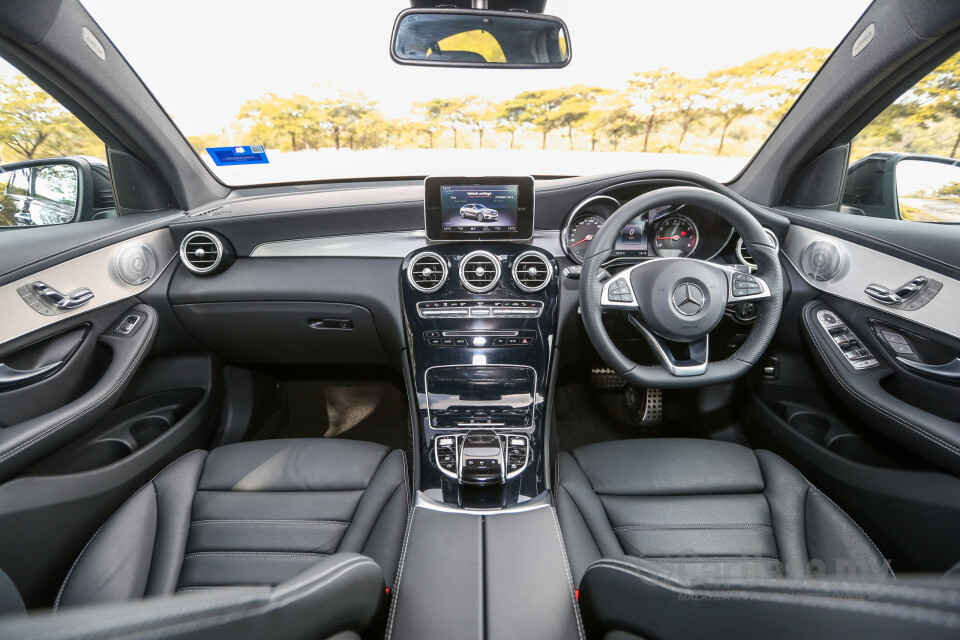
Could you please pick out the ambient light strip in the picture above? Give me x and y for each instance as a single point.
(95, 271)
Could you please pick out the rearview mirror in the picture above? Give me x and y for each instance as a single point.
(480, 38)
(928, 189)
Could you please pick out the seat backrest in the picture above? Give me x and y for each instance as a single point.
(629, 598)
(337, 596)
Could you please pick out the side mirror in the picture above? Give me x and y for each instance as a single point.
(928, 189)
(45, 192)
(480, 38)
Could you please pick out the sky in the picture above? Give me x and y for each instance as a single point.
(204, 58)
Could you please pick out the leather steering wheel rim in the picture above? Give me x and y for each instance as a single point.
(762, 250)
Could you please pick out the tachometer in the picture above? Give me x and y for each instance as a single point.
(580, 233)
(676, 236)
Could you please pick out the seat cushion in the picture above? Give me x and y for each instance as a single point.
(703, 508)
(253, 513)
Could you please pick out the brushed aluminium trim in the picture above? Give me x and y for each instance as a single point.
(389, 244)
(95, 270)
(867, 266)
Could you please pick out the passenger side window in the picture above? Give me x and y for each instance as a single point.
(904, 164)
(53, 169)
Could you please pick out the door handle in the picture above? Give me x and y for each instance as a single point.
(10, 377)
(949, 371)
(63, 301)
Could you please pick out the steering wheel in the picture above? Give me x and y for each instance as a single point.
(676, 302)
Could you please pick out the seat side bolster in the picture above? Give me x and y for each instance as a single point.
(115, 564)
(838, 547)
(786, 492)
(589, 508)
(378, 524)
(176, 487)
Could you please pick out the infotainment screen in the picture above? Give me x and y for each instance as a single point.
(488, 208)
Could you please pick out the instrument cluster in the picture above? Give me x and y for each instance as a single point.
(672, 231)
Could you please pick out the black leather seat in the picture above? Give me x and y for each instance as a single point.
(699, 509)
(249, 514)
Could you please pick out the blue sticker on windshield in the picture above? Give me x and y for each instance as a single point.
(226, 156)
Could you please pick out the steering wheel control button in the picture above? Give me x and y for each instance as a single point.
(745, 285)
(619, 291)
(688, 299)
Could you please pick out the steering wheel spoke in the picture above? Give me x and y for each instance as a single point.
(681, 359)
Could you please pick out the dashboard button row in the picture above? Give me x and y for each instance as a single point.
(480, 309)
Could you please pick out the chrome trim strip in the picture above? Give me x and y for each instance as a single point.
(389, 244)
(423, 501)
(865, 266)
(94, 270)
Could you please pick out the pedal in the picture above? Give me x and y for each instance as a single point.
(645, 405)
(605, 379)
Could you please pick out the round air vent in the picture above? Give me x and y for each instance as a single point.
(743, 255)
(532, 271)
(822, 260)
(201, 251)
(479, 271)
(135, 263)
(427, 272)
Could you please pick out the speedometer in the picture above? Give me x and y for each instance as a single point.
(676, 236)
(580, 233)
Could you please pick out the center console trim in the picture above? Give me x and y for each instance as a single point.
(479, 425)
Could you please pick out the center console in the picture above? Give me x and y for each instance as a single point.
(480, 314)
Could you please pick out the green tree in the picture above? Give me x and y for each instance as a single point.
(937, 96)
(732, 95)
(650, 94)
(290, 124)
(540, 110)
(685, 102)
(33, 124)
(508, 117)
(430, 117)
(343, 113)
(479, 115)
(575, 105)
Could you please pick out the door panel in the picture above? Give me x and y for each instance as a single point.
(96, 271)
(110, 406)
(883, 441)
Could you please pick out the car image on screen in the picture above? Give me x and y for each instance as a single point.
(478, 212)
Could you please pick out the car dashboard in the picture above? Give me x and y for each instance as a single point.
(479, 326)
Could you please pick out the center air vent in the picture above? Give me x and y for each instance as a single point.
(479, 271)
(744, 255)
(201, 251)
(427, 272)
(532, 271)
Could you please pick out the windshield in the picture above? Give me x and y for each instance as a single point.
(308, 91)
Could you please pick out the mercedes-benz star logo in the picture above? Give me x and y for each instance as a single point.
(688, 299)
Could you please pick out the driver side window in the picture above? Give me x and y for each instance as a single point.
(905, 164)
(53, 169)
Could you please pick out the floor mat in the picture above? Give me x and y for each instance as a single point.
(585, 415)
(375, 411)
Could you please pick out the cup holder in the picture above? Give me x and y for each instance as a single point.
(148, 429)
(853, 447)
(96, 455)
(812, 426)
